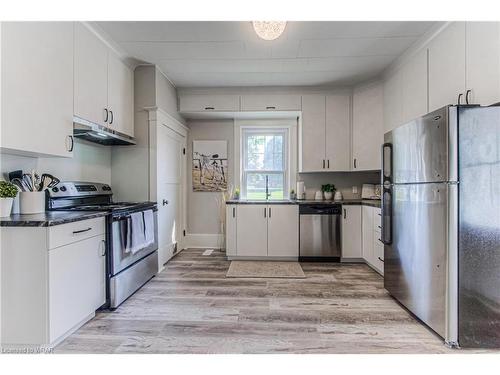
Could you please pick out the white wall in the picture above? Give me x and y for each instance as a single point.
(202, 210)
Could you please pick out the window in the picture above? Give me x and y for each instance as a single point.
(264, 162)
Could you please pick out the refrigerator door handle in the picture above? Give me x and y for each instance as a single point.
(386, 227)
(386, 169)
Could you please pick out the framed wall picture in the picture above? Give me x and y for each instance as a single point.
(209, 166)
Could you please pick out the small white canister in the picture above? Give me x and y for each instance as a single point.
(32, 202)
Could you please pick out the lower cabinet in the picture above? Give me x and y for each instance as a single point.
(53, 280)
(373, 248)
(351, 229)
(260, 230)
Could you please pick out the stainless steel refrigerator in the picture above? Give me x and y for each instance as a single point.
(441, 222)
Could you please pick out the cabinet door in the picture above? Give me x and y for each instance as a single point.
(76, 283)
(338, 133)
(447, 66)
(367, 128)
(120, 96)
(283, 230)
(313, 133)
(91, 76)
(393, 103)
(251, 231)
(270, 103)
(414, 87)
(483, 62)
(367, 233)
(231, 229)
(207, 103)
(351, 232)
(37, 87)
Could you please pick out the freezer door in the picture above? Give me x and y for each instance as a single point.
(421, 149)
(415, 260)
(479, 233)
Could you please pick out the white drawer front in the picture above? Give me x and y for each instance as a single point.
(377, 220)
(207, 103)
(271, 103)
(60, 235)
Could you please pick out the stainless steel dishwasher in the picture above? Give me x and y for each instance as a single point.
(320, 232)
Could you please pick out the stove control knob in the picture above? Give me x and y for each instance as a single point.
(55, 190)
(63, 188)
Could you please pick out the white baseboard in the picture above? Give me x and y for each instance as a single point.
(201, 241)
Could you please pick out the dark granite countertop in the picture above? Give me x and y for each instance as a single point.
(362, 202)
(48, 218)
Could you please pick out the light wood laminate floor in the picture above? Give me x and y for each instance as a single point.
(191, 307)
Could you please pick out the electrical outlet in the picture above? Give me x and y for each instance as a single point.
(355, 190)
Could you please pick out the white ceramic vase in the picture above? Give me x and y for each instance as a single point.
(6, 206)
(328, 195)
(32, 202)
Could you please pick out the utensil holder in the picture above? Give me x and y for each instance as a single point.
(32, 202)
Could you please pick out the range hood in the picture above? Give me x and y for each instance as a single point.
(103, 135)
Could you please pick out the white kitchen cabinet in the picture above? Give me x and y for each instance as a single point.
(104, 85)
(367, 127)
(262, 230)
(483, 62)
(120, 96)
(251, 230)
(53, 280)
(283, 230)
(312, 153)
(367, 232)
(393, 102)
(373, 249)
(447, 66)
(414, 91)
(77, 285)
(91, 76)
(37, 87)
(351, 230)
(209, 103)
(272, 102)
(325, 133)
(231, 229)
(338, 133)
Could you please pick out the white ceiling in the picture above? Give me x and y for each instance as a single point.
(217, 54)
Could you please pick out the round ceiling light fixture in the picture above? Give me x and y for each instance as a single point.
(269, 30)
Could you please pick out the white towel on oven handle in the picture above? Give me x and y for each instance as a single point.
(137, 240)
(149, 227)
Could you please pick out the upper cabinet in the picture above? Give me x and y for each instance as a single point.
(338, 132)
(413, 80)
(325, 133)
(104, 85)
(483, 62)
(37, 87)
(367, 127)
(209, 103)
(91, 76)
(270, 102)
(393, 101)
(447, 66)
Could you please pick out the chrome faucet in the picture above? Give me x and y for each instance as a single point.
(268, 194)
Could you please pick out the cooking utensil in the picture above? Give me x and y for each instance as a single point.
(15, 174)
(27, 181)
(54, 182)
(48, 181)
(19, 183)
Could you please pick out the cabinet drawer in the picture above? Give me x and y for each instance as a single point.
(64, 234)
(377, 220)
(378, 252)
(207, 103)
(271, 103)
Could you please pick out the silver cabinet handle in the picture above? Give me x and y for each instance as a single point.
(345, 213)
(71, 144)
(271, 107)
(467, 95)
(106, 114)
(103, 250)
(265, 212)
(112, 117)
(209, 108)
(379, 258)
(355, 163)
(269, 212)
(323, 163)
(328, 162)
(164, 202)
(234, 211)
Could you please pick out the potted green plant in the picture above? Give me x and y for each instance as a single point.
(236, 194)
(8, 192)
(328, 190)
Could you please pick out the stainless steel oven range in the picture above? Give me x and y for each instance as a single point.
(131, 235)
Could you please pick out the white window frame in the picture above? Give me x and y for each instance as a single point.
(291, 124)
(244, 172)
